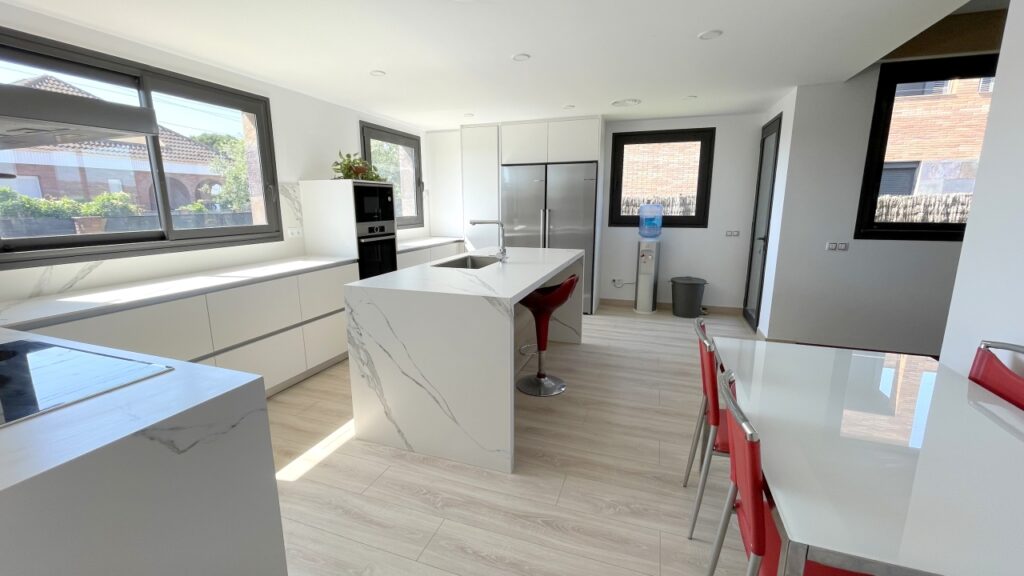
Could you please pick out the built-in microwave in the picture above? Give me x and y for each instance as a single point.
(374, 207)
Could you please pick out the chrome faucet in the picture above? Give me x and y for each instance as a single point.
(502, 255)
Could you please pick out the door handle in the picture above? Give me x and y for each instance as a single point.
(543, 228)
(377, 239)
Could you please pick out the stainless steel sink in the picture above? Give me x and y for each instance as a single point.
(468, 262)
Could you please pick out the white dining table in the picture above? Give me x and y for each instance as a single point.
(881, 463)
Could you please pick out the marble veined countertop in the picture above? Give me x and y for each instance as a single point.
(67, 306)
(42, 442)
(525, 270)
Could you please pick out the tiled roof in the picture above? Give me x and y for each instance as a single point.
(174, 146)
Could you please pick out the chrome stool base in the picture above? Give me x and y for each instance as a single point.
(546, 386)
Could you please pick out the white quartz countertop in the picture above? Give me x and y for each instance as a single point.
(525, 270)
(68, 306)
(428, 242)
(42, 442)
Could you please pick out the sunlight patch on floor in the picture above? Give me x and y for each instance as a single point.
(310, 458)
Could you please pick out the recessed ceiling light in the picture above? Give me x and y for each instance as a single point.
(378, 73)
(626, 102)
(521, 57)
(569, 107)
(468, 115)
(710, 34)
(691, 97)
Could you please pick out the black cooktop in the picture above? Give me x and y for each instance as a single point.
(38, 376)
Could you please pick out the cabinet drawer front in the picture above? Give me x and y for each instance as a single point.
(248, 312)
(276, 358)
(407, 259)
(178, 329)
(443, 251)
(325, 339)
(323, 291)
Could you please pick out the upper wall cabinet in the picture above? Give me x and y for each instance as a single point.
(574, 140)
(524, 143)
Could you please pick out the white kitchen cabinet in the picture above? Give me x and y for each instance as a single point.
(525, 143)
(323, 291)
(325, 339)
(248, 312)
(574, 140)
(413, 257)
(178, 329)
(444, 251)
(276, 358)
(480, 180)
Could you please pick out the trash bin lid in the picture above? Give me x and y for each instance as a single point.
(688, 280)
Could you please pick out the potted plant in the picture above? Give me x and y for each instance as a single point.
(352, 167)
(94, 213)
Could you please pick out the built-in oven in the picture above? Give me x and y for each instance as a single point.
(375, 228)
(377, 255)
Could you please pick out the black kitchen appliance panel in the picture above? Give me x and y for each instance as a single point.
(377, 255)
(374, 202)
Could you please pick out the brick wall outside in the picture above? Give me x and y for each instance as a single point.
(664, 173)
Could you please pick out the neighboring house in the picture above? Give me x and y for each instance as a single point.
(84, 169)
(935, 136)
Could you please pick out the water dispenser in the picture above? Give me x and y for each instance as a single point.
(648, 247)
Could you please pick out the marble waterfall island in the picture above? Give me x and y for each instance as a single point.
(433, 351)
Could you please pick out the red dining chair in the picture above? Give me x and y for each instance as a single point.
(709, 420)
(989, 372)
(748, 498)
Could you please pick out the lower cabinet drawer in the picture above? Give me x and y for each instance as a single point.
(325, 339)
(276, 358)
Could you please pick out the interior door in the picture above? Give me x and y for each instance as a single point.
(522, 204)
(762, 218)
(572, 193)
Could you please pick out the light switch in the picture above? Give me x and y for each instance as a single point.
(843, 246)
(831, 246)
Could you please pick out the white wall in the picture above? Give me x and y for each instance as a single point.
(988, 298)
(308, 133)
(703, 252)
(787, 107)
(442, 172)
(881, 294)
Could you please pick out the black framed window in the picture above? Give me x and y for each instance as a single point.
(397, 158)
(101, 157)
(667, 167)
(925, 142)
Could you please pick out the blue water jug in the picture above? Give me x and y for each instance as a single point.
(650, 220)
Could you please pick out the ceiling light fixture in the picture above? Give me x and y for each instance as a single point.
(710, 34)
(569, 107)
(468, 115)
(691, 97)
(626, 102)
(378, 73)
(521, 57)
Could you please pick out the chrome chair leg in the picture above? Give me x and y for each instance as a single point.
(723, 527)
(698, 432)
(754, 565)
(704, 470)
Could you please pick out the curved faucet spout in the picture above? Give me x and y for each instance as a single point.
(502, 254)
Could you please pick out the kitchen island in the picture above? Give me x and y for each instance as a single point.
(434, 350)
(113, 462)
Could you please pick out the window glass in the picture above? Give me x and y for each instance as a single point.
(931, 155)
(65, 189)
(663, 173)
(28, 76)
(212, 164)
(396, 163)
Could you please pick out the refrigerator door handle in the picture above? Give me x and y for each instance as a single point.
(547, 227)
(543, 228)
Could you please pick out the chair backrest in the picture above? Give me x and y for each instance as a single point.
(745, 467)
(709, 370)
(989, 372)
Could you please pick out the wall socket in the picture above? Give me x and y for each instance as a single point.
(840, 246)
(732, 233)
(294, 232)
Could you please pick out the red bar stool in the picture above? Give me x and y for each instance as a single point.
(542, 302)
(989, 372)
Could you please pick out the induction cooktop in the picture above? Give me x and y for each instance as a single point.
(39, 376)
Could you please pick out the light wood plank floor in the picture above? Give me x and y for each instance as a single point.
(597, 488)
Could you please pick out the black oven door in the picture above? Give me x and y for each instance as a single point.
(374, 203)
(377, 255)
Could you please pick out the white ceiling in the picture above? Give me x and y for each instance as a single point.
(448, 58)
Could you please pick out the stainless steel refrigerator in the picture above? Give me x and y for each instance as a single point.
(552, 206)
